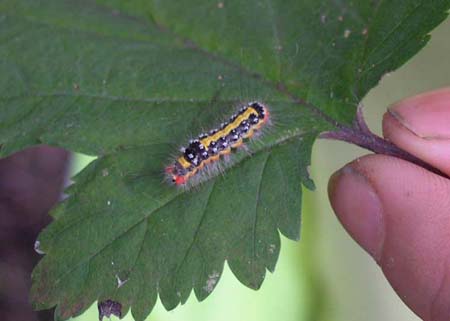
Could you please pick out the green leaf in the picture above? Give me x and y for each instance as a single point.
(130, 81)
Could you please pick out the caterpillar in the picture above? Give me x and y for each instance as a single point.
(209, 147)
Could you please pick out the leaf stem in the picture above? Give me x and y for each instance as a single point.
(360, 134)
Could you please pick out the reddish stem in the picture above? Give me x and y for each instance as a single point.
(359, 134)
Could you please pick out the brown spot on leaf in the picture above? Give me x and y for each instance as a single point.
(109, 307)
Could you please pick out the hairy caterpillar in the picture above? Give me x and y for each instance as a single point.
(208, 148)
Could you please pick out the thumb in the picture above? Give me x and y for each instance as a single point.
(400, 214)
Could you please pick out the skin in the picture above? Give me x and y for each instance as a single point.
(399, 212)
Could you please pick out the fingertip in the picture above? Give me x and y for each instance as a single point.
(427, 115)
(412, 223)
(420, 125)
(358, 208)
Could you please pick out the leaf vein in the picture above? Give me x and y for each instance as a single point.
(194, 239)
(258, 197)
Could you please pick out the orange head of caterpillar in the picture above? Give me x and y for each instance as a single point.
(177, 179)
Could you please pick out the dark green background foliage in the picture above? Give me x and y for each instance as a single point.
(130, 81)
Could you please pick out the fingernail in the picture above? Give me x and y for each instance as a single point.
(427, 115)
(358, 208)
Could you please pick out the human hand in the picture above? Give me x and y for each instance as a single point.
(399, 212)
